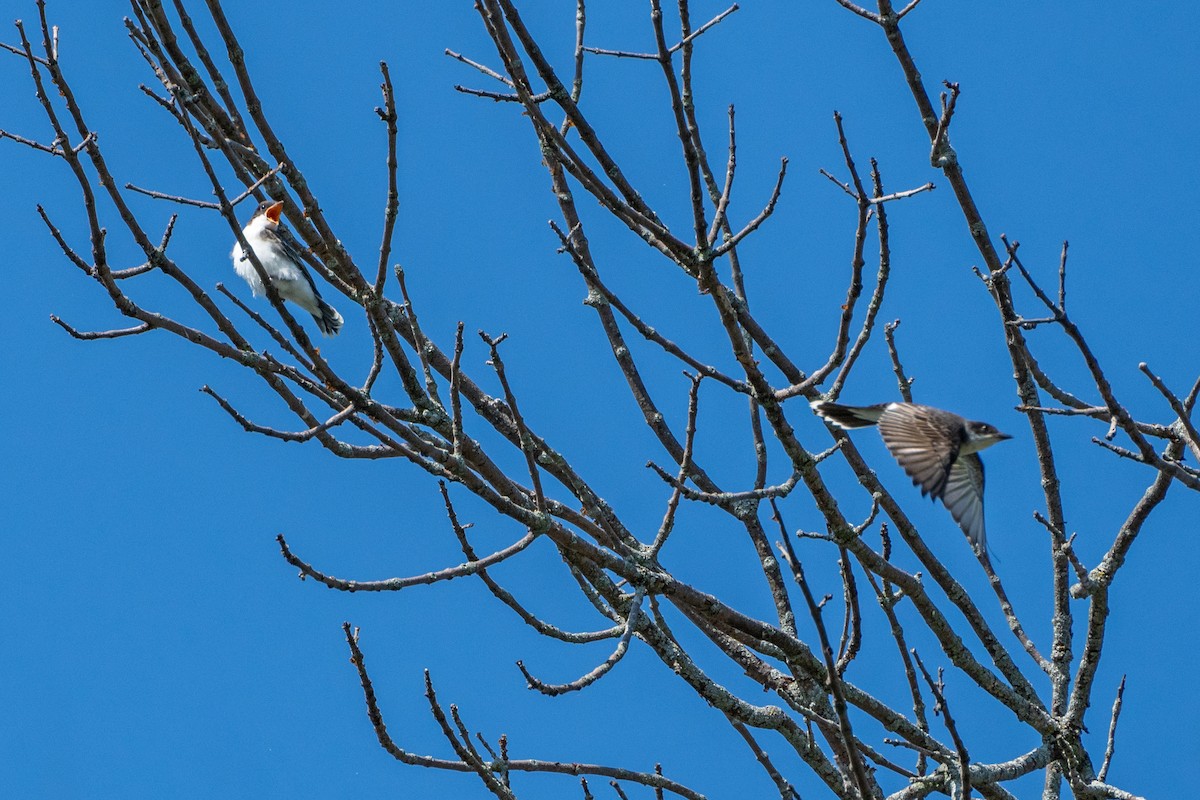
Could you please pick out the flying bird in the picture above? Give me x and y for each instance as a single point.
(938, 449)
(279, 255)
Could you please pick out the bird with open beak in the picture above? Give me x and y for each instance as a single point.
(279, 255)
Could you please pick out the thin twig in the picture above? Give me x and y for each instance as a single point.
(396, 584)
(937, 688)
(1111, 745)
(92, 335)
(602, 669)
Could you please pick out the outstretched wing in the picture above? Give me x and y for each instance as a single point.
(925, 449)
(963, 497)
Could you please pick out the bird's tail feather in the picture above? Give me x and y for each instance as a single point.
(848, 417)
(328, 319)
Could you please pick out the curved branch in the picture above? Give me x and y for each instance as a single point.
(396, 584)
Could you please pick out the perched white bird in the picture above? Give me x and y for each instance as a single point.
(279, 255)
(938, 450)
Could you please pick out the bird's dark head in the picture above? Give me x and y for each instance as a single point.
(271, 209)
(981, 435)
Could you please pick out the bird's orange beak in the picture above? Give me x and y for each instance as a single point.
(274, 211)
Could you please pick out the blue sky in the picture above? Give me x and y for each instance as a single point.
(154, 642)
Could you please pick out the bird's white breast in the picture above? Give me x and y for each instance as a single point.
(241, 263)
(287, 276)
